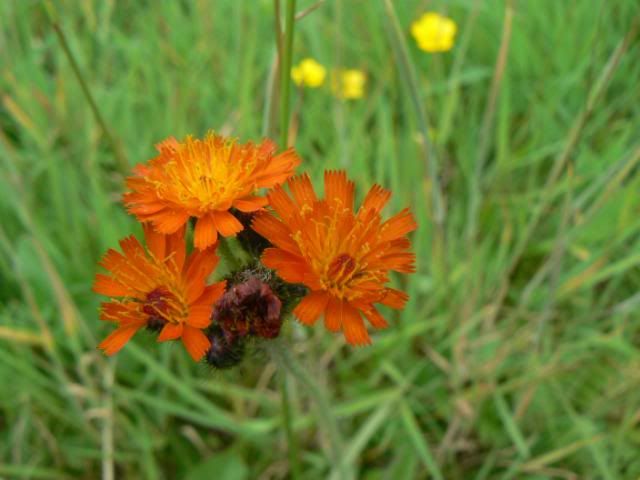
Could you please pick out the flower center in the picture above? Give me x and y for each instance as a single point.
(162, 306)
(339, 272)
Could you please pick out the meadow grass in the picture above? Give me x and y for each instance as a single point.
(518, 354)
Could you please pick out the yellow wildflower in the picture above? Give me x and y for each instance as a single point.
(434, 32)
(308, 73)
(349, 84)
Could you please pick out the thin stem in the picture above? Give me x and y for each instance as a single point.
(121, 160)
(283, 358)
(278, 26)
(487, 125)
(409, 75)
(285, 76)
(108, 469)
(271, 95)
(429, 151)
(294, 464)
(227, 254)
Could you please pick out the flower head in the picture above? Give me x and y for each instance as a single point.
(434, 32)
(308, 73)
(349, 84)
(204, 179)
(342, 256)
(158, 288)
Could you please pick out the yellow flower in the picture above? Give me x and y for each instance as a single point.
(349, 84)
(309, 73)
(434, 33)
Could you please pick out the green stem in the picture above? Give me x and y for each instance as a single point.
(409, 76)
(227, 254)
(294, 464)
(121, 160)
(285, 73)
(430, 153)
(283, 358)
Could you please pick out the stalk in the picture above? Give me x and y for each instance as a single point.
(285, 69)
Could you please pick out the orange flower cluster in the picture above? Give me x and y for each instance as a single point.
(340, 257)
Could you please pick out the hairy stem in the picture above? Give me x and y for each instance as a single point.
(283, 358)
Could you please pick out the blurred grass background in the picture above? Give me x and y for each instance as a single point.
(518, 355)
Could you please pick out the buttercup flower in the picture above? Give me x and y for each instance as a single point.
(204, 179)
(434, 32)
(349, 84)
(160, 289)
(308, 73)
(341, 256)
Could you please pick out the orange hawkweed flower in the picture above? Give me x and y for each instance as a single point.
(204, 179)
(343, 257)
(160, 289)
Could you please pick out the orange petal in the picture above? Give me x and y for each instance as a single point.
(333, 315)
(116, 311)
(397, 226)
(168, 222)
(156, 242)
(394, 298)
(399, 262)
(195, 342)
(279, 169)
(171, 331)
(200, 316)
(376, 199)
(200, 265)
(290, 267)
(275, 231)
(267, 147)
(132, 248)
(302, 190)
(176, 248)
(250, 204)
(105, 285)
(375, 318)
(143, 209)
(311, 307)
(338, 188)
(205, 233)
(353, 326)
(211, 294)
(168, 145)
(118, 338)
(226, 223)
(282, 204)
(135, 273)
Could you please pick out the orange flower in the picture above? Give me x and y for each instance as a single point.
(343, 257)
(160, 290)
(204, 179)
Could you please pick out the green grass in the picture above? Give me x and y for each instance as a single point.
(518, 355)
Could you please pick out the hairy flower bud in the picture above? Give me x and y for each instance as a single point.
(249, 308)
(226, 350)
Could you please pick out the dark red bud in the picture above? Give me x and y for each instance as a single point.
(249, 308)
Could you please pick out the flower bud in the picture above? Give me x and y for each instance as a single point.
(249, 308)
(226, 350)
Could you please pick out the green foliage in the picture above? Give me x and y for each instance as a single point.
(518, 355)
